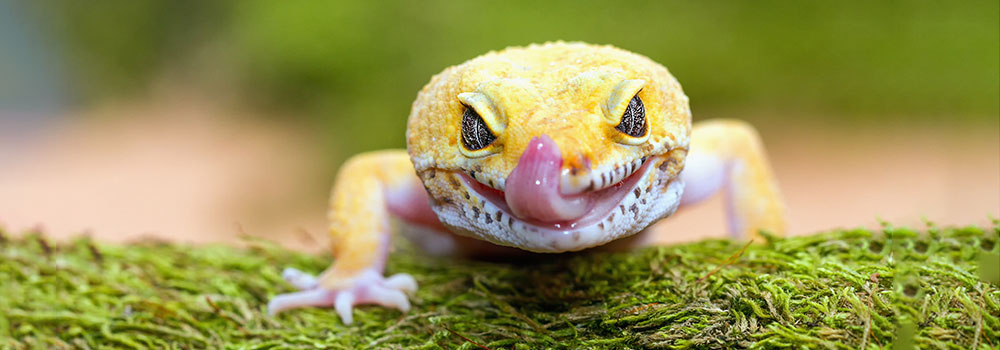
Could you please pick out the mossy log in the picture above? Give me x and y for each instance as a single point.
(892, 289)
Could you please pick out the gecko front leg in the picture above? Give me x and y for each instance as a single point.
(369, 188)
(728, 155)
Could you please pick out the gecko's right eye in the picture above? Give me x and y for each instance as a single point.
(476, 135)
(633, 122)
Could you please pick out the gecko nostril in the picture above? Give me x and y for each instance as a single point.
(575, 165)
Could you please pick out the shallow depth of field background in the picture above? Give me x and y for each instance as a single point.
(198, 121)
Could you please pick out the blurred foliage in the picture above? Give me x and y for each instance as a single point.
(355, 67)
(114, 47)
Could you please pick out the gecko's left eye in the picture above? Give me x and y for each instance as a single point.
(633, 122)
(476, 135)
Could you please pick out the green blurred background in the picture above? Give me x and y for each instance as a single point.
(353, 68)
(180, 117)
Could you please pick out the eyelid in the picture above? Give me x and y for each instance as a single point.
(620, 98)
(486, 109)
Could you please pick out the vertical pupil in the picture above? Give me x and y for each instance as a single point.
(633, 120)
(475, 134)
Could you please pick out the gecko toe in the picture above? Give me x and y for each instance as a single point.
(403, 282)
(312, 297)
(345, 307)
(300, 280)
(387, 297)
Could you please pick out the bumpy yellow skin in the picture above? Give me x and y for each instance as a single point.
(574, 93)
(571, 92)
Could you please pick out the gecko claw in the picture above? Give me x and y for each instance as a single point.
(369, 287)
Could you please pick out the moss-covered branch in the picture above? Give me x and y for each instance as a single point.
(838, 290)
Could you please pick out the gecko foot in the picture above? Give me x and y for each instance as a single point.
(369, 287)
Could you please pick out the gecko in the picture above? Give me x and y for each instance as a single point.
(546, 148)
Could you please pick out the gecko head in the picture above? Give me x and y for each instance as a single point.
(551, 148)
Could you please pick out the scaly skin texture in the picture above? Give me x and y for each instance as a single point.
(560, 90)
(576, 179)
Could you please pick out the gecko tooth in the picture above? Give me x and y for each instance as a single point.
(599, 178)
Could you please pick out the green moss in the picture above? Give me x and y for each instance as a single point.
(838, 290)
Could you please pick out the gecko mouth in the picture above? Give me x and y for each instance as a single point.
(535, 192)
(585, 209)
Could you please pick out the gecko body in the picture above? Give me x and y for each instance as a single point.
(547, 148)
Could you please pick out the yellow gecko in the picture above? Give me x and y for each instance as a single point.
(547, 148)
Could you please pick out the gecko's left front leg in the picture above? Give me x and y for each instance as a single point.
(728, 155)
(369, 188)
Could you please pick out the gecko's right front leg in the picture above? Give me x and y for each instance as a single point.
(367, 190)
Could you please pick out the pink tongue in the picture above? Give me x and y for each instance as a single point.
(532, 189)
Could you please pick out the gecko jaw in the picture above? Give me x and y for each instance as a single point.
(596, 179)
(603, 201)
(599, 178)
(620, 210)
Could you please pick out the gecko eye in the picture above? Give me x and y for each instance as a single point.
(475, 134)
(633, 121)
